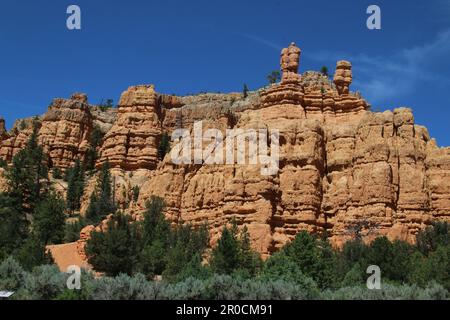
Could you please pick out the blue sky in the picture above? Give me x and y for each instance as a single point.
(192, 46)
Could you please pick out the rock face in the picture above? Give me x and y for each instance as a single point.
(13, 142)
(65, 130)
(3, 132)
(343, 169)
(132, 141)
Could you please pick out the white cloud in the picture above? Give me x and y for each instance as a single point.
(263, 41)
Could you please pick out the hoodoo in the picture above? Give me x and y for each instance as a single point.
(343, 169)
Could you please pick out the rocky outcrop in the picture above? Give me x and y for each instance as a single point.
(3, 132)
(132, 141)
(343, 170)
(65, 130)
(343, 76)
(16, 139)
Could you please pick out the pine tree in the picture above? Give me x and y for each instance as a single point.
(92, 155)
(155, 226)
(27, 174)
(274, 76)
(250, 261)
(116, 250)
(245, 91)
(49, 220)
(75, 187)
(225, 256)
(101, 203)
(13, 225)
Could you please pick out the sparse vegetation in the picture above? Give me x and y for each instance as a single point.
(101, 202)
(92, 154)
(274, 77)
(245, 91)
(163, 146)
(104, 105)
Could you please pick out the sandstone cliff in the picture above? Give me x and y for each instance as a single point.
(343, 169)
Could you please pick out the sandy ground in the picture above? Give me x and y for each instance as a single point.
(66, 255)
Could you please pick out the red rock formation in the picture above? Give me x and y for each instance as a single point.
(3, 132)
(132, 141)
(65, 130)
(342, 169)
(343, 76)
(15, 141)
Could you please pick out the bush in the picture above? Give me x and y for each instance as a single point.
(389, 292)
(43, 283)
(124, 287)
(281, 267)
(72, 230)
(115, 250)
(11, 275)
(433, 236)
(57, 174)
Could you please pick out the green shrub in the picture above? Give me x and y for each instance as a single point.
(43, 283)
(11, 275)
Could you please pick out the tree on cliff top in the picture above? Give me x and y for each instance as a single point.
(274, 77)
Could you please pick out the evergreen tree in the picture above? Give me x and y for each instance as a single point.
(155, 226)
(49, 220)
(433, 236)
(106, 203)
(92, 212)
(274, 76)
(72, 229)
(225, 258)
(116, 250)
(33, 253)
(315, 258)
(250, 261)
(324, 71)
(75, 187)
(354, 277)
(101, 202)
(13, 225)
(281, 267)
(92, 154)
(185, 251)
(245, 91)
(27, 174)
(155, 236)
